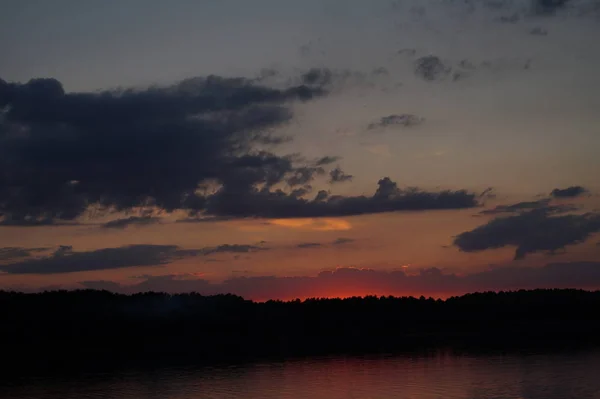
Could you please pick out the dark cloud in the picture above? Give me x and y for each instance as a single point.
(249, 201)
(336, 79)
(63, 250)
(431, 68)
(11, 220)
(65, 260)
(337, 175)
(505, 11)
(342, 240)
(231, 248)
(351, 281)
(267, 73)
(132, 220)
(309, 245)
(322, 195)
(339, 241)
(549, 6)
(10, 253)
(532, 231)
(488, 193)
(62, 152)
(304, 175)
(326, 160)
(529, 205)
(569, 192)
(300, 192)
(403, 120)
(317, 76)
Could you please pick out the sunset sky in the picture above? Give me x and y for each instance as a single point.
(283, 149)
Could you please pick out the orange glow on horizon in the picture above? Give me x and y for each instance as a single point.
(345, 294)
(320, 224)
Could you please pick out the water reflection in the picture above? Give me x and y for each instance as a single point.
(405, 377)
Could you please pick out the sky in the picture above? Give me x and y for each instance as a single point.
(287, 149)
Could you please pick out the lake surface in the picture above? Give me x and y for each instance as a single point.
(559, 376)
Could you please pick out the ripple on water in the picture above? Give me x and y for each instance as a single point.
(561, 376)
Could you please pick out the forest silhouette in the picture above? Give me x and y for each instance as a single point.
(89, 327)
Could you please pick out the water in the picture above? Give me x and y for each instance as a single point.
(561, 376)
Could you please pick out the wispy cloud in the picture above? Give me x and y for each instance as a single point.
(132, 220)
(396, 120)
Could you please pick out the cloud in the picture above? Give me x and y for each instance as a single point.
(543, 204)
(402, 120)
(132, 220)
(326, 160)
(65, 260)
(531, 231)
(337, 175)
(488, 193)
(338, 241)
(430, 68)
(304, 175)
(549, 6)
(63, 250)
(342, 240)
(231, 248)
(309, 245)
(10, 220)
(322, 195)
(61, 152)
(10, 253)
(336, 79)
(349, 281)
(249, 201)
(317, 76)
(569, 192)
(240, 197)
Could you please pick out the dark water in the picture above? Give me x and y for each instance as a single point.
(561, 376)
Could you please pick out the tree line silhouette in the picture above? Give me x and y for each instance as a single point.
(62, 328)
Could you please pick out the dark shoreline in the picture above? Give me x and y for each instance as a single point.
(97, 330)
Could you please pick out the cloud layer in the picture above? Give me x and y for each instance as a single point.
(250, 201)
(195, 146)
(396, 120)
